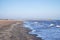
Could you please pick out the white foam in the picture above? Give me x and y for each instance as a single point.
(57, 25)
(35, 22)
(33, 30)
(51, 25)
(27, 26)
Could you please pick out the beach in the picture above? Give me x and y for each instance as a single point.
(14, 30)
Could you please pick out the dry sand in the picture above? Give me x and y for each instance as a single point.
(14, 30)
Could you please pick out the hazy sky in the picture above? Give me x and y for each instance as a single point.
(21, 9)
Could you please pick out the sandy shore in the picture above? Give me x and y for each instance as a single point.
(14, 30)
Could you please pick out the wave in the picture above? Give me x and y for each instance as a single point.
(45, 30)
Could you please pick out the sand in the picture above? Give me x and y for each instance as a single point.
(14, 30)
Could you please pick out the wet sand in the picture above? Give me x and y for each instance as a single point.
(14, 30)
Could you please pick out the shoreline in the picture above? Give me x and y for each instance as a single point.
(14, 30)
(32, 35)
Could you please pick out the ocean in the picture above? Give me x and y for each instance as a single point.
(45, 29)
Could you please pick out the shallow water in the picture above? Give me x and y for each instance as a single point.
(47, 30)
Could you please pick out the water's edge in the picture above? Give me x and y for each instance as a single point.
(34, 35)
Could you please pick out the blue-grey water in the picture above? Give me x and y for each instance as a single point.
(47, 30)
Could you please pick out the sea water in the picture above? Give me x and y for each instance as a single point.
(45, 29)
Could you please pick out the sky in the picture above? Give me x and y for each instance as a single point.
(29, 9)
